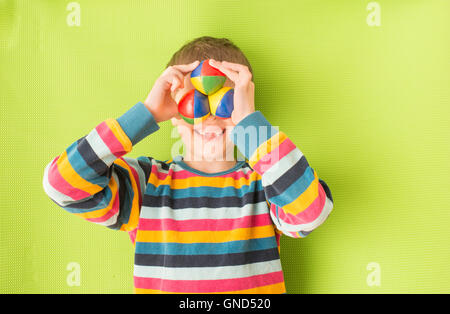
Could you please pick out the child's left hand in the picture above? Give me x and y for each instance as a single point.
(244, 88)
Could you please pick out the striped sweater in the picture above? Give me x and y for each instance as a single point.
(193, 232)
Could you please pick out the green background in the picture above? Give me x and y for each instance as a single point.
(369, 107)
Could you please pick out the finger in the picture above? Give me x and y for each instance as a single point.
(176, 83)
(185, 68)
(232, 75)
(174, 74)
(244, 72)
(235, 66)
(252, 88)
(172, 71)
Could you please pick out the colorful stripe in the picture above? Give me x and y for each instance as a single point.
(209, 286)
(206, 248)
(204, 224)
(277, 288)
(208, 273)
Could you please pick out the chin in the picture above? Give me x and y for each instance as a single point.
(207, 147)
(206, 154)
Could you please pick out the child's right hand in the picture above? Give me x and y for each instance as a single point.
(159, 101)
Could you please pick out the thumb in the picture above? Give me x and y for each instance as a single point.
(178, 116)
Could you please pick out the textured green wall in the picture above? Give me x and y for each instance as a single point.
(368, 105)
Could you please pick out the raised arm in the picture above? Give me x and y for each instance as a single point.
(299, 201)
(93, 180)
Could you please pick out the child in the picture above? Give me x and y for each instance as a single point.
(200, 223)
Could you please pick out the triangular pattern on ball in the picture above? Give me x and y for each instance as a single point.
(221, 102)
(212, 84)
(207, 79)
(194, 107)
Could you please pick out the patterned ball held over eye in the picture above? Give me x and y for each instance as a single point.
(208, 97)
(194, 107)
(221, 102)
(207, 79)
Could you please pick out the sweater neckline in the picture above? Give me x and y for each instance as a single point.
(179, 161)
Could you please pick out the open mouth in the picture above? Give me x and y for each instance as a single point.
(209, 134)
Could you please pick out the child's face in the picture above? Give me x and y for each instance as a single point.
(208, 140)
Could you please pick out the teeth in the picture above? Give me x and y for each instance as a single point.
(209, 133)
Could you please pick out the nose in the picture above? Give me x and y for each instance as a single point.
(210, 121)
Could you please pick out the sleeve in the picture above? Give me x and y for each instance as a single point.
(91, 178)
(299, 200)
